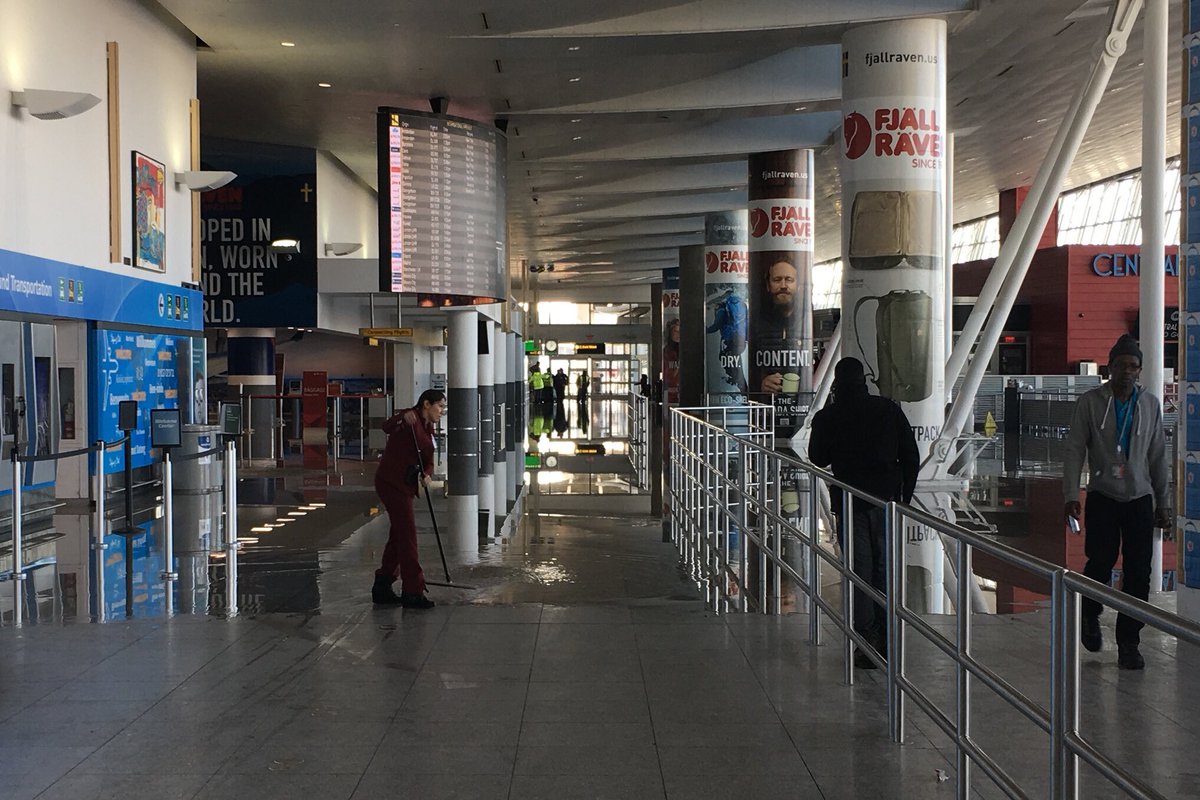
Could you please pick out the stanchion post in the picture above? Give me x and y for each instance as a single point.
(814, 573)
(18, 545)
(231, 536)
(100, 528)
(169, 575)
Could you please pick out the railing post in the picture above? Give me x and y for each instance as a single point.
(1058, 681)
(963, 684)
(18, 545)
(1064, 712)
(231, 536)
(100, 529)
(848, 596)
(169, 575)
(897, 591)
(744, 523)
(814, 572)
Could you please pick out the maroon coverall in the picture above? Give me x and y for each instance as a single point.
(392, 482)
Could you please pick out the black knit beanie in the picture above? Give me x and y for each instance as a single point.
(1125, 346)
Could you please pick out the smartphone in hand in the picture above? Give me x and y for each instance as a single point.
(1073, 524)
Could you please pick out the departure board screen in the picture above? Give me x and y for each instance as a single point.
(441, 205)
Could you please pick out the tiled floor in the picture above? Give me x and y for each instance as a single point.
(584, 666)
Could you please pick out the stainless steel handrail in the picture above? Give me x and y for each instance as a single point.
(720, 479)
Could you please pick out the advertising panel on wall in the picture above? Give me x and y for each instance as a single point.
(247, 282)
(671, 343)
(726, 310)
(780, 249)
(1188, 524)
(149, 368)
(441, 206)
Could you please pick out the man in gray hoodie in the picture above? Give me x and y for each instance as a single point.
(1118, 428)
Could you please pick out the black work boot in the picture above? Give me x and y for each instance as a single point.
(1089, 633)
(382, 594)
(415, 600)
(1128, 657)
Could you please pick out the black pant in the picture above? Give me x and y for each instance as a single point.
(1127, 528)
(870, 564)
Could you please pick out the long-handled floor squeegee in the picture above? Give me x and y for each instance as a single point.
(442, 552)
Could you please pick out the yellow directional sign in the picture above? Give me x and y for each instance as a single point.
(989, 425)
(386, 333)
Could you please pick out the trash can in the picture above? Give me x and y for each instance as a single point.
(198, 495)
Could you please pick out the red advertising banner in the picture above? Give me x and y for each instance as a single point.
(314, 411)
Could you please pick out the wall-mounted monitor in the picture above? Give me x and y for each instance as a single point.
(442, 206)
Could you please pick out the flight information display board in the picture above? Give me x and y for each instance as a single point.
(441, 205)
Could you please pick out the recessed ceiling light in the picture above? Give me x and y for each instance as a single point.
(262, 529)
(578, 177)
(574, 80)
(1043, 119)
(297, 513)
(573, 48)
(324, 85)
(577, 119)
(288, 44)
(576, 138)
(801, 108)
(1026, 138)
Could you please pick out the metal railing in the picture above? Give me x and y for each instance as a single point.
(100, 523)
(638, 412)
(727, 485)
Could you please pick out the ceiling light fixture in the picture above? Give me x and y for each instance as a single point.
(577, 119)
(576, 79)
(576, 138)
(324, 85)
(204, 180)
(573, 48)
(285, 246)
(288, 44)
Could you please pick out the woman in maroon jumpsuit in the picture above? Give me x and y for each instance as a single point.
(407, 460)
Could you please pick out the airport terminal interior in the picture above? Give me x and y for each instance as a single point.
(617, 256)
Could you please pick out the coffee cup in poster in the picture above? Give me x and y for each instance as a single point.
(790, 383)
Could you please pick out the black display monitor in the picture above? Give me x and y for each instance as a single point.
(166, 427)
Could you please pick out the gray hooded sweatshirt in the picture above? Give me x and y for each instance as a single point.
(1094, 433)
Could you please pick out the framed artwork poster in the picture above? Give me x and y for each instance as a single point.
(149, 213)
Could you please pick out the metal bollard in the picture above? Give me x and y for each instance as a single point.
(168, 575)
(231, 539)
(18, 546)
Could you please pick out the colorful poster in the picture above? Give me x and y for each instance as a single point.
(893, 188)
(149, 213)
(671, 343)
(780, 249)
(726, 308)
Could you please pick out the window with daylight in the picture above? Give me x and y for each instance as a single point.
(976, 240)
(1110, 212)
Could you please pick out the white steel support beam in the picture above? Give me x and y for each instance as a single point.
(1039, 205)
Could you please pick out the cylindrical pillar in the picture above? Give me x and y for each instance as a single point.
(252, 370)
(780, 249)
(1151, 277)
(462, 429)
(726, 311)
(893, 195)
(500, 347)
(516, 442)
(691, 324)
(487, 399)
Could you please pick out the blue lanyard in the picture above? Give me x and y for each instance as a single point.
(1124, 413)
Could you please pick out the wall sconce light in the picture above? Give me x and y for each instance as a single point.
(342, 248)
(285, 246)
(49, 104)
(204, 180)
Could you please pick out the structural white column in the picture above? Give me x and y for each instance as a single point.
(1151, 279)
(462, 430)
(487, 401)
(500, 383)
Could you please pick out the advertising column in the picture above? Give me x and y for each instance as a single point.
(487, 399)
(780, 286)
(893, 195)
(726, 312)
(670, 336)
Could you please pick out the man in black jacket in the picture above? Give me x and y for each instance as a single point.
(869, 443)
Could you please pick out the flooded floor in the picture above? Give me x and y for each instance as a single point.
(583, 662)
